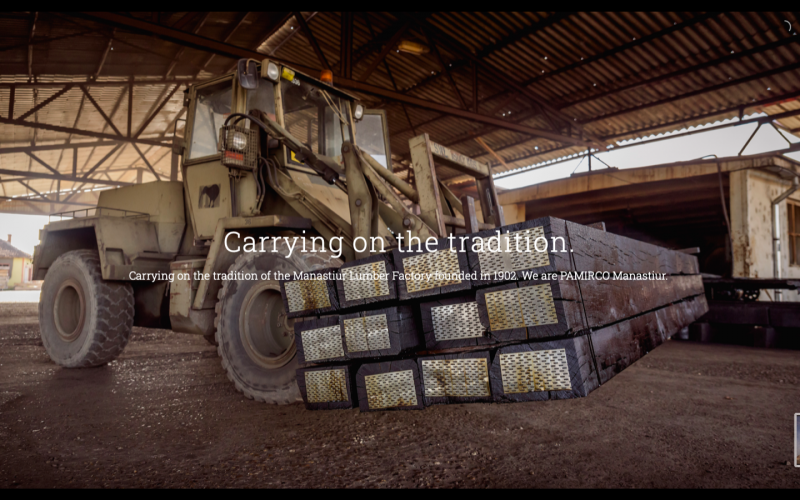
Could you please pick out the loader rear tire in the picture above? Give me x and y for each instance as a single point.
(84, 320)
(255, 340)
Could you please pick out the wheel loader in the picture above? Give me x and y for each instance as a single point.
(269, 154)
(286, 177)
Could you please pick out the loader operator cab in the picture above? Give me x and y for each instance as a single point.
(317, 115)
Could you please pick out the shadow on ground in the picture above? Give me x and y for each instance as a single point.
(164, 415)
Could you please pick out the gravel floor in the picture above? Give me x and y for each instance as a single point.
(164, 415)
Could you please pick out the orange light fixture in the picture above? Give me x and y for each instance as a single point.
(412, 47)
(326, 76)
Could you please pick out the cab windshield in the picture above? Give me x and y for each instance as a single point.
(212, 106)
(315, 117)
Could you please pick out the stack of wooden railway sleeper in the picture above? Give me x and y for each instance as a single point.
(433, 324)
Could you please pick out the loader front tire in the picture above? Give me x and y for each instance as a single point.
(84, 320)
(255, 340)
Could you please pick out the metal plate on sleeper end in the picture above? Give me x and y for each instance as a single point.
(537, 305)
(388, 390)
(528, 256)
(322, 343)
(356, 288)
(326, 386)
(427, 265)
(464, 377)
(367, 333)
(533, 371)
(521, 307)
(457, 321)
(306, 295)
(518, 256)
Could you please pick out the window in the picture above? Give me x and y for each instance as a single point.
(262, 99)
(371, 136)
(309, 117)
(212, 106)
(794, 232)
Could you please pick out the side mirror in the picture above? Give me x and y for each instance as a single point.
(248, 76)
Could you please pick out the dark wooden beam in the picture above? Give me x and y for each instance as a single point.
(90, 83)
(475, 88)
(508, 81)
(39, 175)
(88, 133)
(30, 44)
(155, 112)
(346, 45)
(501, 44)
(41, 162)
(100, 110)
(99, 163)
(105, 55)
(46, 102)
(686, 95)
(187, 19)
(130, 107)
(179, 54)
(237, 22)
(237, 52)
(11, 96)
(377, 41)
(389, 73)
(549, 21)
(147, 162)
(40, 195)
(627, 46)
(313, 41)
(388, 46)
(45, 40)
(688, 70)
(445, 69)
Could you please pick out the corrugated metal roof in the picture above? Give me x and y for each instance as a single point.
(619, 75)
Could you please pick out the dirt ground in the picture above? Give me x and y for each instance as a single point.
(164, 415)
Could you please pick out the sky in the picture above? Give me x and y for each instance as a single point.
(24, 230)
(726, 142)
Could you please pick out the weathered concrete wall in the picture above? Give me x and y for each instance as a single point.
(751, 195)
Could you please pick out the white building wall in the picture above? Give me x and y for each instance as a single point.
(751, 195)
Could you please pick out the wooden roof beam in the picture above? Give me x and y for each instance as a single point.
(88, 133)
(202, 43)
(40, 175)
(685, 71)
(313, 41)
(509, 82)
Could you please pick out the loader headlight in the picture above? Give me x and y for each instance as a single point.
(273, 73)
(359, 112)
(239, 141)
